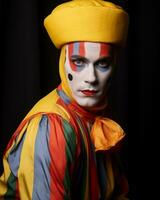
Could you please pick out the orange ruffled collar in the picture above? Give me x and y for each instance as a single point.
(105, 134)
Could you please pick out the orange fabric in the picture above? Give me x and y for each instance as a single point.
(105, 133)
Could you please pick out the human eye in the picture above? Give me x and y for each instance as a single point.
(104, 64)
(79, 62)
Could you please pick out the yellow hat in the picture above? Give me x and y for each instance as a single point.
(87, 20)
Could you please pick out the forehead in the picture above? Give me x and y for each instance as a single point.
(87, 49)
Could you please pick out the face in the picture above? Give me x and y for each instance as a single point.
(88, 68)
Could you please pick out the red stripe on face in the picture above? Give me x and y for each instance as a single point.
(104, 49)
(70, 53)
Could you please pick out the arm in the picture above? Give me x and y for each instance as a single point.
(44, 158)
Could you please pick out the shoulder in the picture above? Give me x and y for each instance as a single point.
(39, 134)
(48, 124)
(48, 104)
(42, 139)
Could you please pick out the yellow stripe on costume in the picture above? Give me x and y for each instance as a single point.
(7, 171)
(26, 168)
(48, 105)
(4, 177)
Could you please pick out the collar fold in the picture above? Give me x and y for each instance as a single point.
(106, 133)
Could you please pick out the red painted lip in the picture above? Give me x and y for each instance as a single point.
(89, 92)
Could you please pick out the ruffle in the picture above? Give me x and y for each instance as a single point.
(105, 133)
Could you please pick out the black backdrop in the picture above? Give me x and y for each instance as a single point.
(29, 70)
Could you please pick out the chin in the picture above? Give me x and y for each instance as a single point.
(86, 101)
(92, 104)
(88, 105)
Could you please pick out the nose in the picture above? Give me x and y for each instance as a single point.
(90, 76)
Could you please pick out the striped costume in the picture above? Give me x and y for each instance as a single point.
(52, 156)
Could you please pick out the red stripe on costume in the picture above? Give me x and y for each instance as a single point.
(104, 49)
(70, 53)
(59, 87)
(72, 121)
(15, 135)
(18, 131)
(17, 190)
(58, 158)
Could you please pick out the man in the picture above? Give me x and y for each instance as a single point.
(65, 148)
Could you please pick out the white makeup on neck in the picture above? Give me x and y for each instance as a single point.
(88, 67)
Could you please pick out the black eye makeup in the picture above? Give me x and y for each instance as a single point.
(103, 63)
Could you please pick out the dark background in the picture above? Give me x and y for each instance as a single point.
(29, 70)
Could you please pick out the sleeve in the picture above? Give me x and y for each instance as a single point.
(38, 165)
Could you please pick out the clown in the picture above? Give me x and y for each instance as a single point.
(88, 67)
(65, 148)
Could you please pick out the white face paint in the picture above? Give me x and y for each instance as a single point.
(88, 67)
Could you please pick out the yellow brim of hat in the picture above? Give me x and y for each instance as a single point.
(94, 21)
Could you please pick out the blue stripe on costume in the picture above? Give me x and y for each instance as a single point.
(65, 98)
(41, 188)
(14, 156)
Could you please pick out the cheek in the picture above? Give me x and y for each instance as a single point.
(70, 77)
(73, 66)
(73, 77)
(68, 70)
(104, 78)
(69, 73)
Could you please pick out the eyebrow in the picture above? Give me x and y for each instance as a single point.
(109, 58)
(79, 57)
